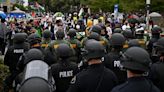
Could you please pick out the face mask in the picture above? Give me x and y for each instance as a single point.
(77, 26)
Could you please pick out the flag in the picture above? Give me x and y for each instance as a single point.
(81, 12)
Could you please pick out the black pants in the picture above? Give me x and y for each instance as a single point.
(2, 45)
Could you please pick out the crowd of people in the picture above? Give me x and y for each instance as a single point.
(89, 54)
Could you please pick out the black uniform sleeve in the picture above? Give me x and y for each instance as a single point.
(74, 85)
(50, 57)
(153, 76)
(7, 57)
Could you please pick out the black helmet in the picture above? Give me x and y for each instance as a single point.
(63, 51)
(96, 29)
(93, 49)
(72, 32)
(136, 58)
(33, 54)
(160, 45)
(117, 39)
(117, 30)
(60, 34)
(156, 30)
(127, 33)
(20, 37)
(94, 36)
(40, 85)
(34, 39)
(47, 34)
(133, 43)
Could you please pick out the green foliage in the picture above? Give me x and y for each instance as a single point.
(21, 7)
(124, 5)
(4, 71)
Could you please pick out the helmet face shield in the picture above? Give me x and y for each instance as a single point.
(36, 68)
(37, 78)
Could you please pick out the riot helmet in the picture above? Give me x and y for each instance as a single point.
(72, 33)
(63, 51)
(117, 30)
(20, 37)
(156, 30)
(137, 59)
(133, 43)
(127, 33)
(117, 39)
(47, 34)
(33, 54)
(60, 34)
(93, 50)
(34, 39)
(160, 46)
(96, 28)
(95, 36)
(37, 78)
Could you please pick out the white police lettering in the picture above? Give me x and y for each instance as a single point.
(117, 63)
(18, 50)
(66, 74)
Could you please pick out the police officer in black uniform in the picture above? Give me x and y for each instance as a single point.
(75, 44)
(155, 36)
(37, 78)
(117, 30)
(96, 78)
(156, 73)
(35, 41)
(32, 54)
(112, 59)
(64, 70)
(12, 56)
(46, 38)
(50, 54)
(136, 61)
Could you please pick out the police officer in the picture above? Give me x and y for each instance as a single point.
(112, 59)
(132, 23)
(64, 70)
(133, 43)
(96, 78)
(12, 56)
(75, 44)
(34, 41)
(37, 78)
(156, 73)
(155, 31)
(32, 54)
(46, 38)
(136, 61)
(128, 36)
(139, 34)
(97, 29)
(50, 54)
(117, 30)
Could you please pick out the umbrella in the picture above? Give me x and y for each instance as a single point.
(155, 14)
(2, 14)
(134, 16)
